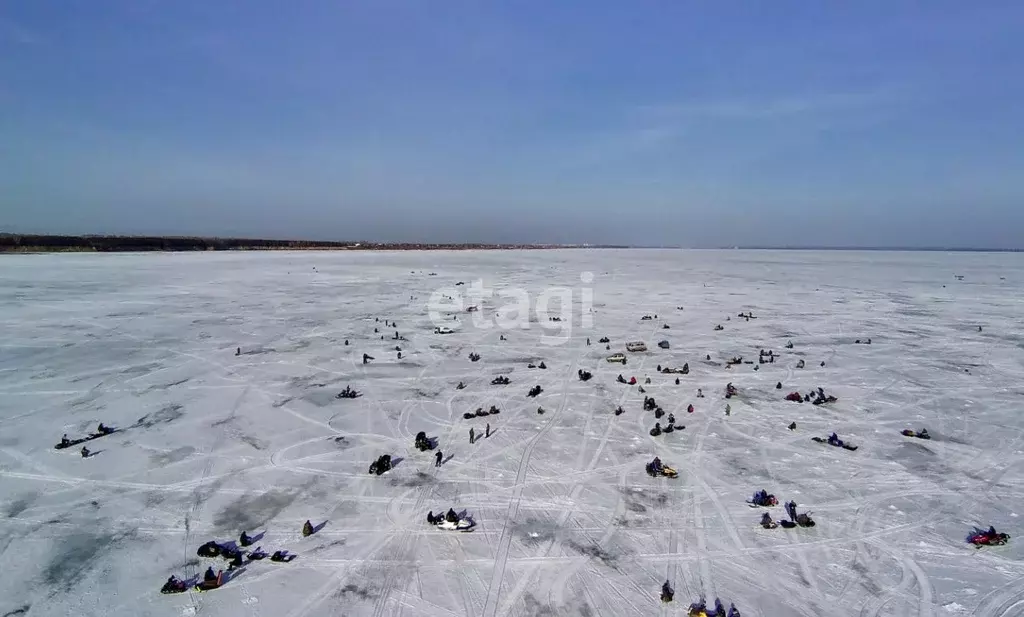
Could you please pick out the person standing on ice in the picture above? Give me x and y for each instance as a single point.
(487, 431)
(472, 435)
(437, 458)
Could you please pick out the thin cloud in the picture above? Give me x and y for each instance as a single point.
(762, 109)
(14, 32)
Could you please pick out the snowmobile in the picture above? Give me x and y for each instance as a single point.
(658, 412)
(422, 443)
(619, 410)
(656, 430)
(174, 585)
(922, 434)
(451, 521)
(473, 357)
(604, 339)
(719, 609)
(282, 557)
(792, 426)
(698, 609)
(655, 469)
(789, 345)
(719, 328)
(778, 385)
(667, 593)
(500, 380)
(542, 365)
(833, 440)
(534, 391)
(767, 522)
(763, 499)
(348, 392)
(990, 537)
(540, 410)
(795, 397)
(796, 520)
(734, 361)
(730, 390)
(210, 549)
(381, 465)
(801, 364)
(620, 378)
(461, 386)
(257, 554)
(493, 411)
(584, 375)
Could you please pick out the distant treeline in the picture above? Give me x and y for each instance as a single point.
(29, 243)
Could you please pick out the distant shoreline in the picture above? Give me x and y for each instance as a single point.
(38, 243)
(42, 243)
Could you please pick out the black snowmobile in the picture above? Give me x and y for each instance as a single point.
(282, 557)
(834, 440)
(210, 549)
(474, 357)
(257, 554)
(381, 465)
(500, 380)
(534, 391)
(656, 430)
(619, 410)
(423, 443)
(348, 392)
(667, 593)
(584, 375)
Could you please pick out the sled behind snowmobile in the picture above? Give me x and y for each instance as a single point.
(463, 524)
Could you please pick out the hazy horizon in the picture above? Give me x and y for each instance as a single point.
(782, 124)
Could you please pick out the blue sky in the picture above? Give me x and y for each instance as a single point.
(678, 122)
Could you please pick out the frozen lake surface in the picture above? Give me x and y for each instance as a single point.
(568, 522)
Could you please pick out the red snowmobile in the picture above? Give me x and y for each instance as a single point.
(990, 537)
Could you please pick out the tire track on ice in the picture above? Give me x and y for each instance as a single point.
(491, 604)
(1000, 602)
(563, 518)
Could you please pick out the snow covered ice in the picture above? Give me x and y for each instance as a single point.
(567, 521)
